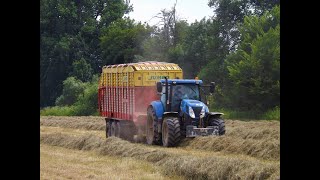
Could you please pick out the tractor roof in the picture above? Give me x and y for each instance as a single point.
(182, 81)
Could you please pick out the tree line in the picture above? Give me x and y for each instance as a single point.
(238, 47)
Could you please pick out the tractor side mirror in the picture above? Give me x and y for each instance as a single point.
(212, 87)
(159, 87)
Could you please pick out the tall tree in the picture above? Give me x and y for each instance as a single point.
(81, 70)
(254, 69)
(197, 45)
(229, 13)
(70, 31)
(122, 40)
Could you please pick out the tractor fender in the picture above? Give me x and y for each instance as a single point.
(158, 108)
(170, 114)
(214, 114)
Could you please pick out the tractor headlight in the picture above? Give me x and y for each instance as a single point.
(203, 112)
(191, 112)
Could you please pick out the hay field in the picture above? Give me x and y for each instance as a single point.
(248, 150)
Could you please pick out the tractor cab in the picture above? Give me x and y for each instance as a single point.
(178, 91)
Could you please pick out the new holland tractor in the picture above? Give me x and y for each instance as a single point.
(179, 113)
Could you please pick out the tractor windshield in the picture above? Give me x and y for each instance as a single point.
(179, 92)
(183, 91)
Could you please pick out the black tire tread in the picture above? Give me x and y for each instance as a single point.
(220, 123)
(156, 136)
(126, 130)
(114, 128)
(174, 134)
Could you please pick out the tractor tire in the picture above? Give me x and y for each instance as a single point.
(107, 129)
(218, 122)
(171, 135)
(126, 130)
(152, 135)
(115, 129)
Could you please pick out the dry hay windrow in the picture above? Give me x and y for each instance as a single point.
(191, 167)
(240, 129)
(267, 149)
(260, 139)
(63, 163)
(70, 131)
(258, 130)
(76, 122)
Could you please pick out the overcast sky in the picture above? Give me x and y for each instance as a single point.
(190, 10)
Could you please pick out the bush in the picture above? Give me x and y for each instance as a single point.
(88, 103)
(81, 70)
(85, 95)
(58, 111)
(236, 114)
(72, 89)
(273, 114)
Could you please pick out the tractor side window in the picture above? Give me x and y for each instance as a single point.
(177, 95)
(163, 96)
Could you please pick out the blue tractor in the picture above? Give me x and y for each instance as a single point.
(180, 113)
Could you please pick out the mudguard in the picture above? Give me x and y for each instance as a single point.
(170, 114)
(214, 114)
(158, 108)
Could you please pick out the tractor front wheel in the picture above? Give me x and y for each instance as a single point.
(114, 129)
(107, 128)
(218, 122)
(171, 135)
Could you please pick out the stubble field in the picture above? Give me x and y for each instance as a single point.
(76, 148)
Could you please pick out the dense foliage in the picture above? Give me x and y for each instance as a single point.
(238, 48)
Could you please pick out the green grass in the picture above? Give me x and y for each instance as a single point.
(273, 114)
(233, 114)
(58, 111)
(67, 111)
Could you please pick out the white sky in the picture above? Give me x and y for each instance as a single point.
(190, 10)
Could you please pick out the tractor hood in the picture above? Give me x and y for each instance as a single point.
(194, 104)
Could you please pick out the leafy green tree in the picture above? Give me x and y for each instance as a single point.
(165, 42)
(122, 40)
(230, 13)
(69, 31)
(176, 53)
(82, 70)
(154, 48)
(72, 89)
(254, 69)
(87, 104)
(202, 45)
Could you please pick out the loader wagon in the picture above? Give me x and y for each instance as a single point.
(126, 90)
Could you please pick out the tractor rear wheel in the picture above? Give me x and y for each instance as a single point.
(114, 130)
(152, 135)
(126, 130)
(107, 128)
(171, 135)
(218, 122)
